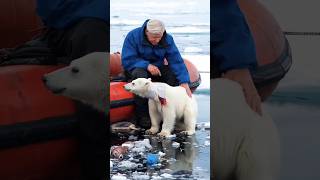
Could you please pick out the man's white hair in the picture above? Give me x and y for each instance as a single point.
(155, 27)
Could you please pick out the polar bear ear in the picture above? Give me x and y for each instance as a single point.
(149, 79)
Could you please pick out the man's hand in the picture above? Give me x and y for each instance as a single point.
(186, 86)
(154, 70)
(243, 77)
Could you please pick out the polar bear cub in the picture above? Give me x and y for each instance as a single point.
(172, 105)
(84, 80)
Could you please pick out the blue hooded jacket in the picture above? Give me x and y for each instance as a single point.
(64, 13)
(138, 52)
(233, 44)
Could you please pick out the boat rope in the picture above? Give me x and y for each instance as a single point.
(290, 33)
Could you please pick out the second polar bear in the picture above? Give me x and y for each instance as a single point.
(172, 105)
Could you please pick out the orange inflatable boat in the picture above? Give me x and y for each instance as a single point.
(272, 48)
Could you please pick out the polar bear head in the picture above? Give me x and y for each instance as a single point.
(139, 86)
(85, 80)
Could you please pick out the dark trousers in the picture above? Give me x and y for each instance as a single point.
(86, 36)
(141, 109)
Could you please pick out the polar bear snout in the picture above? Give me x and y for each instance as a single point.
(127, 87)
(54, 89)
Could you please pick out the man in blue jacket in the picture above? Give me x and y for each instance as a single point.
(75, 28)
(234, 53)
(143, 54)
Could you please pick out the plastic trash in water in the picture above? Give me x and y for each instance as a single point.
(143, 143)
(126, 165)
(152, 159)
(128, 144)
(123, 127)
(156, 177)
(118, 177)
(138, 149)
(132, 138)
(175, 144)
(161, 154)
(140, 176)
(172, 136)
(141, 146)
(166, 176)
(118, 151)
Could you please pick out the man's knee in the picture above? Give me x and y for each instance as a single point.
(168, 76)
(91, 27)
(89, 35)
(139, 73)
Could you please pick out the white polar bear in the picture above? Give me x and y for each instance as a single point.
(85, 80)
(245, 145)
(167, 103)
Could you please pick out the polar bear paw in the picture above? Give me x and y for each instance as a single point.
(164, 134)
(151, 131)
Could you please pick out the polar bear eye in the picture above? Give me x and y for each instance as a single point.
(133, 83)
(75, 69)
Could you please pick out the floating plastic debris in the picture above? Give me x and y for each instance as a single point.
(156, 177)
(132, 138)
(175, 144)
(123, 127)
(172, 136)
(161, 154)
(118, 177)
(138, 149)
(141, 146)
(144, 143)
(118, 151)
(152, 159)
(166, 176)
(128, 144)
(126, 165)
(139, 176)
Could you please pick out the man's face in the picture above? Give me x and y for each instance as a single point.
(154, 39)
